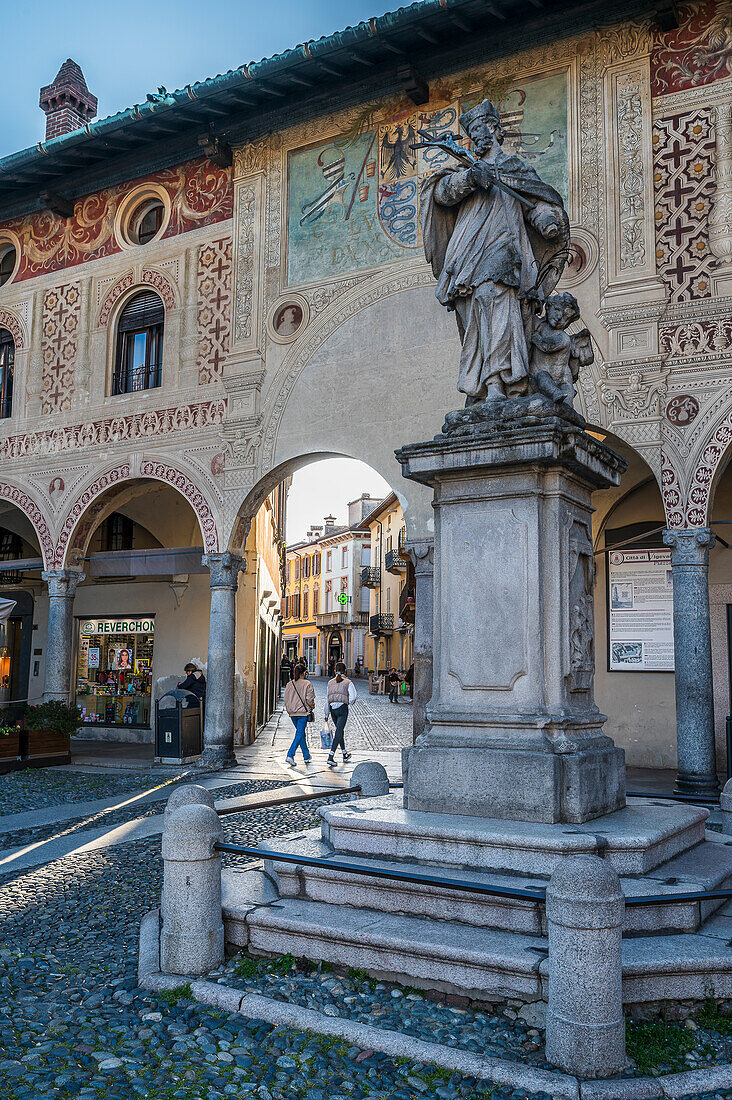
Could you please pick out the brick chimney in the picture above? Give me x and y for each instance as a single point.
(68, 103)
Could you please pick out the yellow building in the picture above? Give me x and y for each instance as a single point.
(302, 600)
(390, 578)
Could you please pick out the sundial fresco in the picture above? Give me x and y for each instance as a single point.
(353, 202)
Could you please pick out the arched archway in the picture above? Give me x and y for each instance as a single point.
(104, 493)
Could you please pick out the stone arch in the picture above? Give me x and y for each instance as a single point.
(125, 283)
(711, 460)
(105, 492)
(15, 327)
(32, 509)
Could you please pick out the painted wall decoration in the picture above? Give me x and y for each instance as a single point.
(683, 171)
(118, 429)
(60, 325)
(201, 194)
(214, 308)
(353, 201)
(698, 52)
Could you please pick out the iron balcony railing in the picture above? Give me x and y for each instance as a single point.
(370, 577)
(394, 562)
(381, 624)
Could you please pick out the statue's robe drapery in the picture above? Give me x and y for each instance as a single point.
(492, 267)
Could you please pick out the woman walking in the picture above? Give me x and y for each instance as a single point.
(341, 694)
(299, 704)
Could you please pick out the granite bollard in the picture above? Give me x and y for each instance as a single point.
(189, 794)
(371, 777)
(585, 1027)
(192, 937)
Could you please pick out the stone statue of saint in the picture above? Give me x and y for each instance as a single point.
(496, 236)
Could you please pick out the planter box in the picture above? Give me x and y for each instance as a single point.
(10, 747)
(44, 743)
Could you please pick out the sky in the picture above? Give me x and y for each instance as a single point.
(324, 489)
(127, 50)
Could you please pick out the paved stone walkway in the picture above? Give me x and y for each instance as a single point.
(79, 866)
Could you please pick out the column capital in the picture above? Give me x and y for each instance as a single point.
(690, 546)
(62, 583)
(224, 569)
(421, 554)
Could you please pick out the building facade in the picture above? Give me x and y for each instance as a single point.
(326, 608)
(390, 579)
(300, 318)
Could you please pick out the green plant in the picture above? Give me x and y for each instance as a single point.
(711, 1017)
(8, 731)
(55, 716)
(172, 996)
(658, 1043)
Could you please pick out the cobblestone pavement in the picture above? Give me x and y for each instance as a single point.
(73, 1023)
(37, 788)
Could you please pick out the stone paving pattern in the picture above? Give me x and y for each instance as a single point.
(74, 1024)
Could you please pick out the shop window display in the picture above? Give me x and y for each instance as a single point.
(114, 671)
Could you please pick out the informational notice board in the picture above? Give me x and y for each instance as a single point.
(640, 611)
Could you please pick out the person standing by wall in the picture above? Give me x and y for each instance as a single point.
(393, 679)
(299, 704)
(341, 695)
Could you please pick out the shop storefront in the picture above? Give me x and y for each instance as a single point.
(114, 670)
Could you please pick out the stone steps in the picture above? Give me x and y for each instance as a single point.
(691, 871)
(635, 840)
(482, 963)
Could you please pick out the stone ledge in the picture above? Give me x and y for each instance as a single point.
(635, 840)
(393, 1043)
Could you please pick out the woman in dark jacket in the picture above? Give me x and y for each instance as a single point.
(194, 682)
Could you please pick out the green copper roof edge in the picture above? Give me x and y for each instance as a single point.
(235, 78)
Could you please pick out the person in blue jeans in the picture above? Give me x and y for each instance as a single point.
(341, 694)
(299, 704)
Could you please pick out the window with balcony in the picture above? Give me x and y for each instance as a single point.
(365, 555)
(139, 344)
(7, 367)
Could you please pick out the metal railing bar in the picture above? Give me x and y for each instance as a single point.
(263, 805)
(377, 872)
(663, 899)
(673, 797)
(484, 888)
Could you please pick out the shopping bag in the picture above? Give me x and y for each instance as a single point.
(403, 688)
(326, 736)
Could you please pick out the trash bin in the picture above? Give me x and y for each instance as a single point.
(178, 729)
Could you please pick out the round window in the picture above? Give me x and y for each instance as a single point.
(8, 260)
(146, 221)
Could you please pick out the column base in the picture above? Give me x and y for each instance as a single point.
(216, 758)
(702, 786)
(520, 784)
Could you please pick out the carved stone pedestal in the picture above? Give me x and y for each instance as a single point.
(512, 729)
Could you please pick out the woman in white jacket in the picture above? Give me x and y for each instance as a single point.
(341, 694)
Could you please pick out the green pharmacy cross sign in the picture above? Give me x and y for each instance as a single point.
(342, 598)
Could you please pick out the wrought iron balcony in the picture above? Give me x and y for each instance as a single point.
(395, 562)
(370, 577)
(381, 624)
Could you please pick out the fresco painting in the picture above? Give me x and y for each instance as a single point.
(353, 202)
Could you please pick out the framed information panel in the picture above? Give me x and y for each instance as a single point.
(640, 605)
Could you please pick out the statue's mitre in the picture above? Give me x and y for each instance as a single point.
(484, 109)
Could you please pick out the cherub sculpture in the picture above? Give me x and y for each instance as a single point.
(557, 356)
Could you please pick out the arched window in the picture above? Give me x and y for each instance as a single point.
(139, 344)
(7, 360)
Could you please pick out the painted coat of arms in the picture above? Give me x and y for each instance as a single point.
(353, 202)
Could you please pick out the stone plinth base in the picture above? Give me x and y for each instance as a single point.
(516, 784)
(512, 729)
